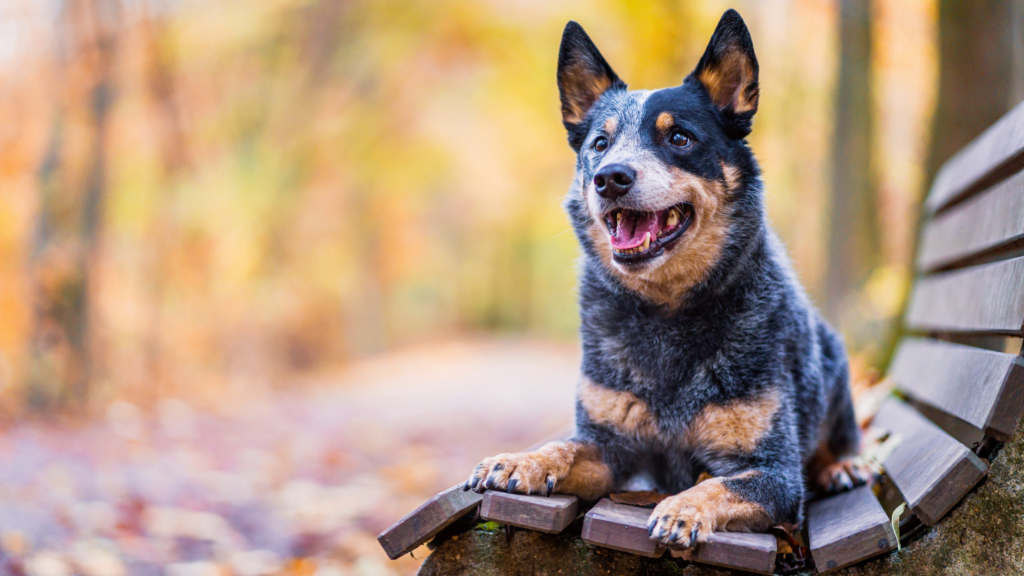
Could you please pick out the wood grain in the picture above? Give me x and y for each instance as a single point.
(985, 299)
(986, 223)
(981, 387)
(549, 514)
(992, 156)
(931, 469)
(620, 527)
(425, 522)
(739, 551)
(847, 528)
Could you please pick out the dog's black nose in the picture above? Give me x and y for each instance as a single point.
(614, 180)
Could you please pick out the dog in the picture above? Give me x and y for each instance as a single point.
(701, 351)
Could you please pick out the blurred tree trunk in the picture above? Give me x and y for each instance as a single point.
(981, 71)
(163, 92)
(854, 240)
(64, 250)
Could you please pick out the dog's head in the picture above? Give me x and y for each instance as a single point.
(656, 170)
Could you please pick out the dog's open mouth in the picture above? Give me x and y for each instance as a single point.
(636, 235)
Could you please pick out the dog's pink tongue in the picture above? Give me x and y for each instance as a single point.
(632, 229)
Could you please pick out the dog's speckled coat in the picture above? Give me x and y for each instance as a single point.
(703, 354)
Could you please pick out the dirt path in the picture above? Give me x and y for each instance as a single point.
(291, 483)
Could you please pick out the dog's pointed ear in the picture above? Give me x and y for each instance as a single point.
(583, 76)
(728, 70)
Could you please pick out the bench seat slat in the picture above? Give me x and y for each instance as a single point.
(847, 528)
(991, 220)
(620, 527)
(623, 527)
(425, 522)
(739, 551)
(981, 387)
(549, 514)
(985, 299)
(995, 154)
(932, 470)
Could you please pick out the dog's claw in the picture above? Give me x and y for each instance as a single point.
(674, 536)
(551, 486)
(512, 486)
(693, 535)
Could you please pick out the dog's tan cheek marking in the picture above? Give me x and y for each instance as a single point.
(732, 177)
(698, 252)
(734, 427)
(665, 121)
(621, 411)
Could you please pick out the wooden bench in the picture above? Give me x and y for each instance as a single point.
(955, 400)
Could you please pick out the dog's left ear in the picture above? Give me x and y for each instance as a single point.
(728, 70)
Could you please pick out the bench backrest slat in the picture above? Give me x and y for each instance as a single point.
(985, 299)
(986, 225)
(994, 155)
(981, 387)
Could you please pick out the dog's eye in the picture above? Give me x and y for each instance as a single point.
(679, 139)
(601, 144)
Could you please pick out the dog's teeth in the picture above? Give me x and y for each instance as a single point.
(618, 217)
(647, 241)
(673, 218)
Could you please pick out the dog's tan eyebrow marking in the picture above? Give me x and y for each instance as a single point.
(610, 125)
(736, 426)
(620, 410)
(665, 121)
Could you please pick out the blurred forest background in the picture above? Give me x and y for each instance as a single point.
(207, 203)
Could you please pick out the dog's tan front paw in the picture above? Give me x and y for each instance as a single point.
(845, 474)
(682, 520)
(521, 473)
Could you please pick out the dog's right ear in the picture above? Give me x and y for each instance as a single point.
(583, 76)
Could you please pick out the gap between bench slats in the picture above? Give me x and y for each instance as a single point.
(990, 157)
(847, 528)
(990, 222)
(932, 470)
(982, 299)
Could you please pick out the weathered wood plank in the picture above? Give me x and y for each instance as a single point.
(981, 299)
(425, 522)
(981, 387)
(435, 514)
(739, 551)
(549, 514)
(620, 527)
(992, 156)
(931, 469)
(847, 528)
(986, 223)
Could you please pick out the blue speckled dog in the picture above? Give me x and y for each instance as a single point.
(701, 352)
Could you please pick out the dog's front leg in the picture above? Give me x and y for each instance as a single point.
(752, 501)
(565, 467)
